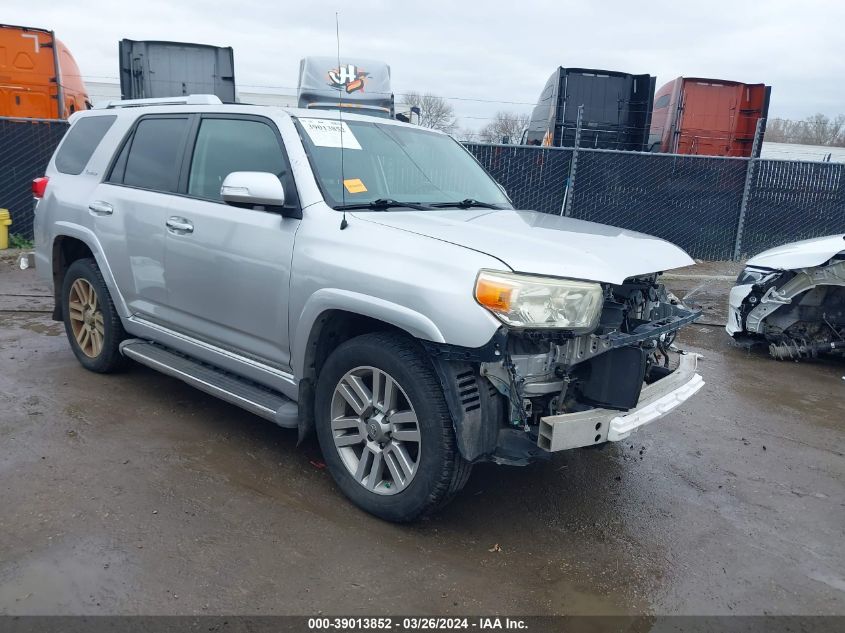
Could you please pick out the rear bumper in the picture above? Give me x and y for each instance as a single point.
(586, 428)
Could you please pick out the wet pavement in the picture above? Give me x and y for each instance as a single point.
(134, 493)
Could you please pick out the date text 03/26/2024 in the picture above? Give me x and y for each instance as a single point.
(416, 624)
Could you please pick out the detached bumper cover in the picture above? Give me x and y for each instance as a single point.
(736, 298)
(586, 428)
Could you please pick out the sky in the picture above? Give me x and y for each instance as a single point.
(482, 56)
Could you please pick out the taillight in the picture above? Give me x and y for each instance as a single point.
(39, 186)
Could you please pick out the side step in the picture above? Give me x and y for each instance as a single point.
(256, 399)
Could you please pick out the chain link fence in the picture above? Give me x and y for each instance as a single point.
(793, 200)
(714, 208)
(26, 146)
(692, 201)
(537, 178)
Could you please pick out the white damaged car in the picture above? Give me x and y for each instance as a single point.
(793, 298)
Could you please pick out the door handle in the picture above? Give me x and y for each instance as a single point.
(98, 207)
(180, 226)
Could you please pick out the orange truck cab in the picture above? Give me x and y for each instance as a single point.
(39, 78)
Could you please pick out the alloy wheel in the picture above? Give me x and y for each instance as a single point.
(375, 430)
(86, 318)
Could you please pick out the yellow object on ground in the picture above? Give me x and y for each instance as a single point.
(5, 223)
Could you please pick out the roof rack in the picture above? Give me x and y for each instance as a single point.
(185, 100)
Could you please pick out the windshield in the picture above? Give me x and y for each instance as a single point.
(395, 162)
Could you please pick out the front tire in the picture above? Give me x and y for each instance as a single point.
(385, 429)
(92, 324)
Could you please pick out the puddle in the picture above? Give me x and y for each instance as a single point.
(79, 578)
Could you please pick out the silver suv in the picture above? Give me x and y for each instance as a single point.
(358, 277)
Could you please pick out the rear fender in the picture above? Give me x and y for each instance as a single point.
(89, 238)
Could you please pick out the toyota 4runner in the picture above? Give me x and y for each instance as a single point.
(358, 277)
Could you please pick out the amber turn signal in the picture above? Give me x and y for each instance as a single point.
(493, 293)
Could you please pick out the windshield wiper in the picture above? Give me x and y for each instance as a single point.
(465, 204)
(380, 205)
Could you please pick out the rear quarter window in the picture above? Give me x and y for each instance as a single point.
(152, 156)
(81, 141)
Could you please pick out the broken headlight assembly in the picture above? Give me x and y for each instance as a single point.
(527, 301)
(757, 276)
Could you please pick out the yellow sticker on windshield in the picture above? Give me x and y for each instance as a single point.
(354, 185)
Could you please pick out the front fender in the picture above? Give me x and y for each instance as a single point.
(325, 299)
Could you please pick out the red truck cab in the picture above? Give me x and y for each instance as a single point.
(712, 117)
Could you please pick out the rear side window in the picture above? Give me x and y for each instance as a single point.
(152, 157)
(81, 141)
(227, 145)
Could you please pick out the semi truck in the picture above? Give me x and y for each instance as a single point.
(156, 69)
(616, 110)
(39, 78)
(712, 117)
(360, 85)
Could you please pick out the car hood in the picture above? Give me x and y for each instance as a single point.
(803, 254)
(539, 243)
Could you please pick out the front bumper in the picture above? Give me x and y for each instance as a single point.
(586, 428)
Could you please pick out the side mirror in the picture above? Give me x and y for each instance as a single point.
(252, 189)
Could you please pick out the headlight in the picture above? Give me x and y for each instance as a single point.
(756, 276)
(539, 302)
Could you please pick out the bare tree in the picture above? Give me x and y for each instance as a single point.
(822, 130)
(818, 129)
(505, 125)
(467, 135)
(780, 131)
(435, 112)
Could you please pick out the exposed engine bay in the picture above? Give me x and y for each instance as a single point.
(541, 373)
(799, 313)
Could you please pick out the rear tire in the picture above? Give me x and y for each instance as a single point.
(391, 449)
(92, 324)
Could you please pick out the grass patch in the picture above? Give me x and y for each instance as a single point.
(19, 241)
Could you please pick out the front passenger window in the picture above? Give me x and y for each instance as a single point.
(227, 145)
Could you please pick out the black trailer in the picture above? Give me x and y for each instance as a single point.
(616, 114)
(153, 69)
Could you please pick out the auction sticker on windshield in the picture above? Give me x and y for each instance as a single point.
(328, 133)
(354, 185)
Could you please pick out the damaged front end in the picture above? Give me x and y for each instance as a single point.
(538, 390)
(799, 313)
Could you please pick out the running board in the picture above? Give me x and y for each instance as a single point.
(269, 404)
